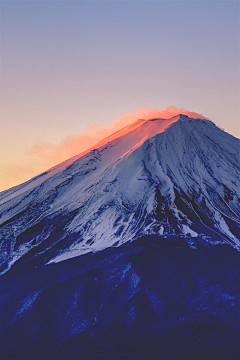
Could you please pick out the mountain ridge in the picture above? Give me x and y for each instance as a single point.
(150, 178)
(131, 250)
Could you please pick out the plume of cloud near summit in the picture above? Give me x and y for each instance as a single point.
(53, 154)
(41, 157)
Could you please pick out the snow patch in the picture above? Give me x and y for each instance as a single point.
(188, 231)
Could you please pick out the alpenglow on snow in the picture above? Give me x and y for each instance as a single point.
(174, 178)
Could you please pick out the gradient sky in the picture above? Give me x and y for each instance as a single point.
(67, 66)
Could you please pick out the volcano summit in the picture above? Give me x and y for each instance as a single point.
(128, 249)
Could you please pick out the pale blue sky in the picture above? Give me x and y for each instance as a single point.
(67, 62)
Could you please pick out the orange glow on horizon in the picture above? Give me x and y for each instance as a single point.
(45, 156)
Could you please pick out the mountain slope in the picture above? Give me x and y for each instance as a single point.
(147, 223)
(143, 300)
(179, 182)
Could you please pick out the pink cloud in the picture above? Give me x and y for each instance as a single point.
(54, 154)
(44, 156)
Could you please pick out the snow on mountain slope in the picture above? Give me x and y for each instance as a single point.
(182, 182)
(117, 144)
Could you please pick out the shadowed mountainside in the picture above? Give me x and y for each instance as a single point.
(143, 300)
(129, 250)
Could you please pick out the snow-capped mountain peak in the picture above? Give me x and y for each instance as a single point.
(172, 178)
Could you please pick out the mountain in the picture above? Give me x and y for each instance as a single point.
(127, 249)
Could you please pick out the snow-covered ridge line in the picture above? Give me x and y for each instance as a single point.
(129, 129)
(169, 178)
